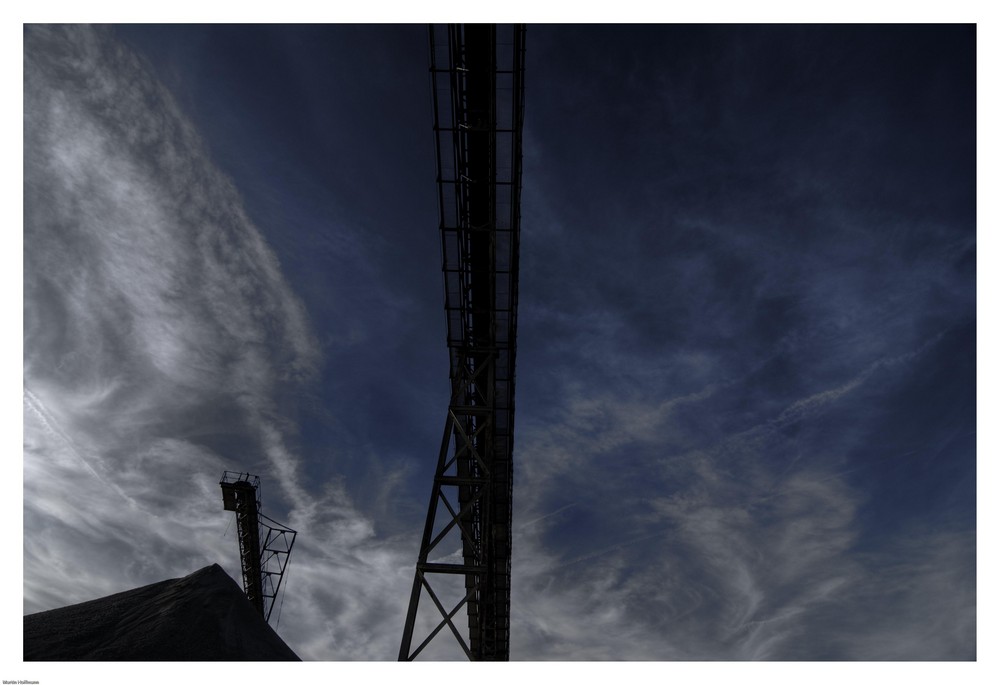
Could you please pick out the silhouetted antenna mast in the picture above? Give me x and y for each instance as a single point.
(265, 544)
(477, 79)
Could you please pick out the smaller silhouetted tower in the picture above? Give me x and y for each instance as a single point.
(264, 548)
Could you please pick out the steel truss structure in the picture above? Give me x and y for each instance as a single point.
(265, 544)
(477, 76)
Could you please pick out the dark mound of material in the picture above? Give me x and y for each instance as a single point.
(202, 617)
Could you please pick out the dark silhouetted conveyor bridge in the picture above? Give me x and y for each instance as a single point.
(477, 74)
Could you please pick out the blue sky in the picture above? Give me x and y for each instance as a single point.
(746, 400)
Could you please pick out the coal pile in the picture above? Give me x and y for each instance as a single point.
(202, 617)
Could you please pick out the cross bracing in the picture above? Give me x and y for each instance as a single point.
(265, 544)
(478, 95)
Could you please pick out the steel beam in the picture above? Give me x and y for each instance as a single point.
(265, 544)
(477, 80)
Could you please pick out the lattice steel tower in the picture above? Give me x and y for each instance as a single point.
(478, 86)
(265, 544)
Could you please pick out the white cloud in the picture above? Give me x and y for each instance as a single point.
(743, 556)
(159, 331)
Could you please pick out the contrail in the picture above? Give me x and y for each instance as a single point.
(38, 408)
(612, 548)
(545, 516)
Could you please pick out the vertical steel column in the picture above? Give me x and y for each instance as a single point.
(240, 495)
(263, 564)
(478, 112)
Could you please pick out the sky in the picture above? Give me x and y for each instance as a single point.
(746, 382)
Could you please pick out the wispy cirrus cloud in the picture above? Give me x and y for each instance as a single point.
(741, 346)
(731, 356)
(162, 344)
(745, 546)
